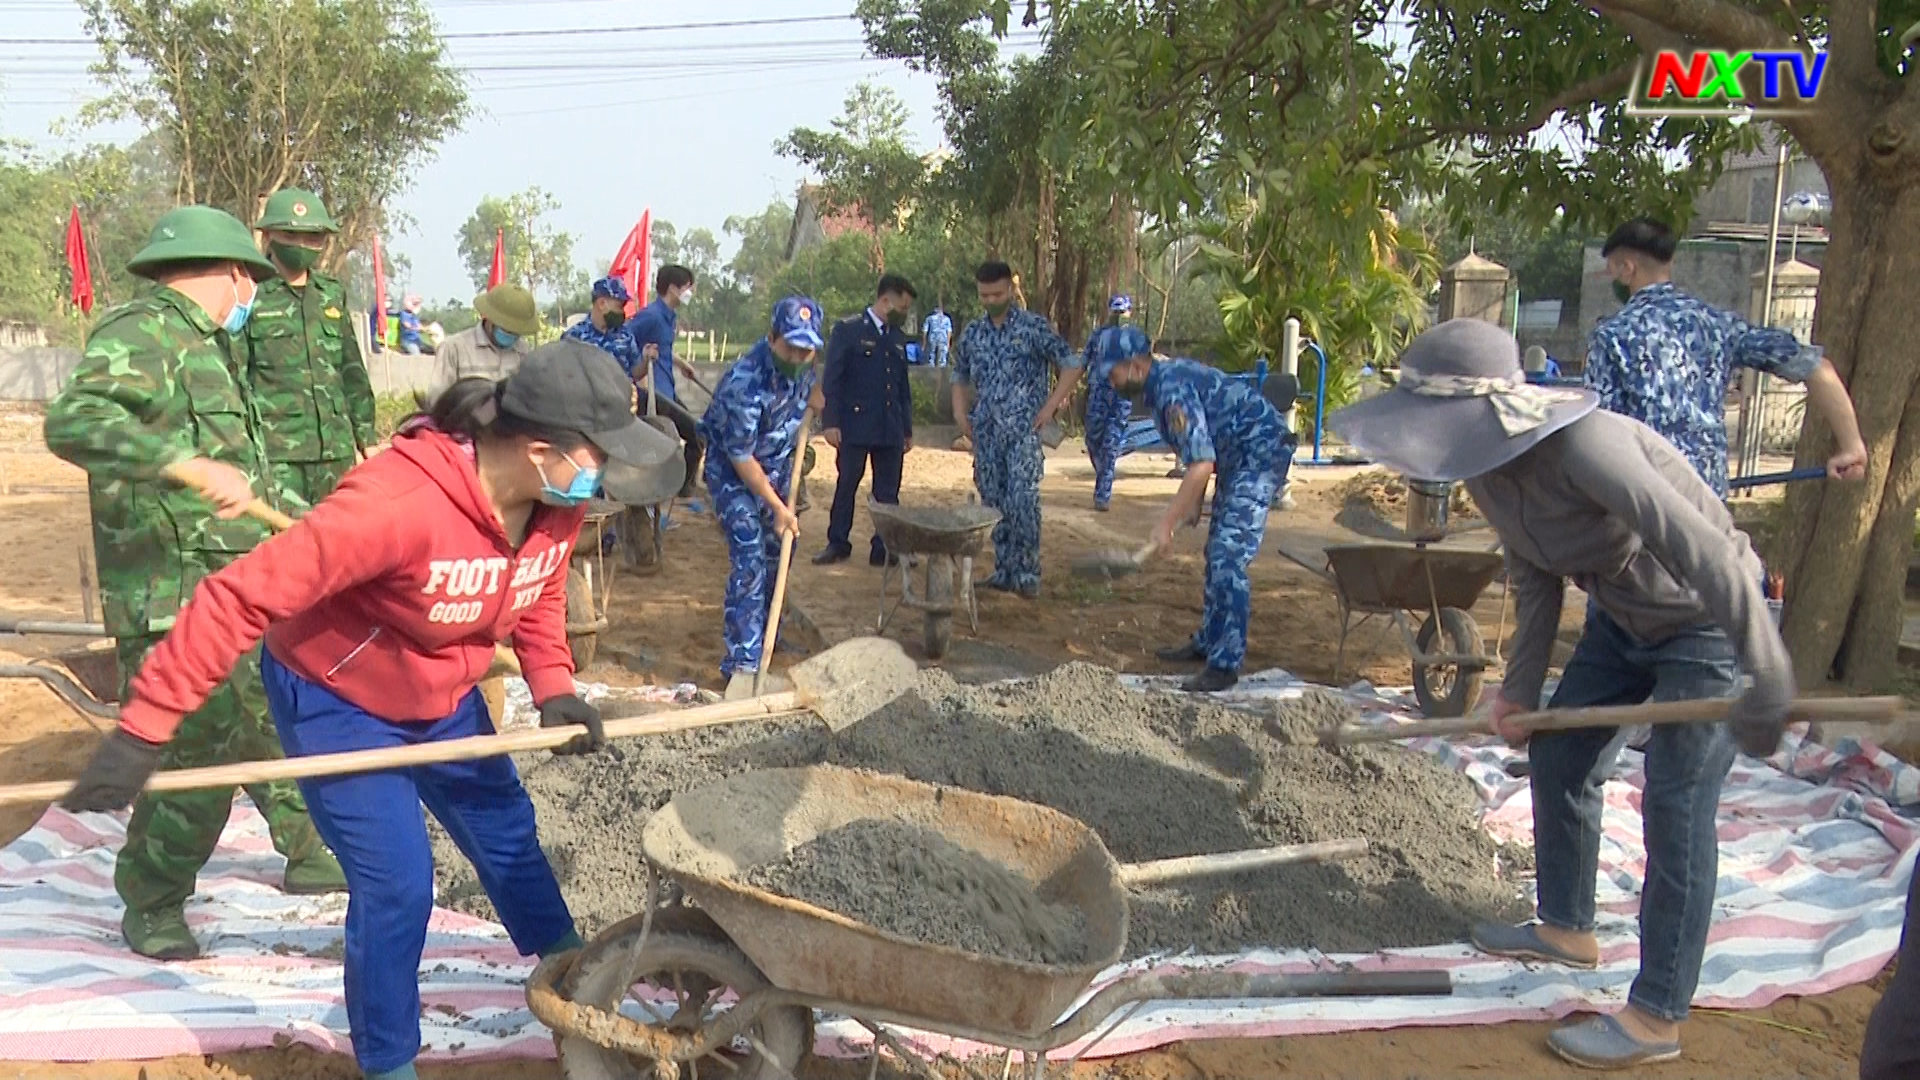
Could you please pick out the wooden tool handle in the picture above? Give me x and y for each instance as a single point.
(1141, 875)
(786, 557)
(1867, 710)
(432, 753)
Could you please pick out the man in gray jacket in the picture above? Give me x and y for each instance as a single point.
(1677, 614)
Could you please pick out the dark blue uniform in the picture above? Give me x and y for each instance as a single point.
(869, 400)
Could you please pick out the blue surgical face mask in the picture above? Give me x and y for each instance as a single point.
(504, 340)
(585, 482)
(238, 314)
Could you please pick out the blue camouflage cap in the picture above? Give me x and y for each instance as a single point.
(611, 288)
(796, 320)
(1121, 305)
(1118, 345)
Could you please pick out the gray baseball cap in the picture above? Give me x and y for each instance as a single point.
(573, 386)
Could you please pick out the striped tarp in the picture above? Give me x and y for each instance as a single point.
(1814, 866)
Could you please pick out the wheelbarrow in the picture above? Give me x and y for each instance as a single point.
(590, 582)
(1392, 580)
(728, 987)
(945, 539)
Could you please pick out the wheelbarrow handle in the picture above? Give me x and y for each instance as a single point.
(1142, 875)
(1867, 710)
(1767, 479)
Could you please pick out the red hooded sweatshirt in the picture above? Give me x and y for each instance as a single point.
(391, 593)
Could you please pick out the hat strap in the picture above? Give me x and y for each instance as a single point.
(1519, 405)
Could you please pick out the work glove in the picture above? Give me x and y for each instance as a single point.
(1758, 717)
(569, 709)
(116, 774)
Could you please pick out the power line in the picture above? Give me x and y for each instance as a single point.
(480, 35)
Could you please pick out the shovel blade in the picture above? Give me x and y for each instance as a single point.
(1105, 565)
(854, 679)
(740, 685)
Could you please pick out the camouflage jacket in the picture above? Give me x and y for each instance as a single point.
(303, 365)
(156, 387)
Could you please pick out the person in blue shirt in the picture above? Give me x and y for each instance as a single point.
(1666, 359)
(1107, 412)
(868, 414)
(410, 342)
(653, 328)
(939, 334)
(1224, 431)
(753, 425)
(1003, 362)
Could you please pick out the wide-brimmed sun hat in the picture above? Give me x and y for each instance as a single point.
(1462, 406)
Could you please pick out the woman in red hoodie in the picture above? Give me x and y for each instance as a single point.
(380, 611)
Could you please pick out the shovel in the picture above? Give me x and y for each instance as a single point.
(743, 685)
(1109, 563)
(1868, 710)
(841, 686)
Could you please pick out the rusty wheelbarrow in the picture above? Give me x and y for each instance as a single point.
(945, 540)
(1393, 579)
(728, 987)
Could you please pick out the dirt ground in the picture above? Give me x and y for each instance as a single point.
(666, 627)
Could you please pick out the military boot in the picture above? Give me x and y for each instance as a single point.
(314, 874)
(161, 934)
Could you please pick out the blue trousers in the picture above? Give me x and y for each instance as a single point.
(1007, 464)
(1107, 417)
(372, 821)
(753, 549)
(937, 351)
(1241, 497)
(1685, 764)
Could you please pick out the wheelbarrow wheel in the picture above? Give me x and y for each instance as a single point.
(580, 613)
(1448, 689)
(939, 633)
(688, 975)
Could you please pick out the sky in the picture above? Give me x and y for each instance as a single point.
(610, 121)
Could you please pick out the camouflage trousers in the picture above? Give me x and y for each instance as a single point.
(171, 836)
(308, 481)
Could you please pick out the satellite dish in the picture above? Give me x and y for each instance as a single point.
(1806, 208)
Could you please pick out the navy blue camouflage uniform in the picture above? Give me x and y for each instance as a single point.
(756, 413)
(1108, 413)
(1666, 358)
(1206, 416)
(1007, 366)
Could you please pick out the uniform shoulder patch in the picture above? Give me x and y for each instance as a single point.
(1177, 420)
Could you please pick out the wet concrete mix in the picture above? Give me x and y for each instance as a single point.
(1156, 775)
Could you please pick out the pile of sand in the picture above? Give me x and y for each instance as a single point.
(1385, 493)
(1156, 775)
(914, 882)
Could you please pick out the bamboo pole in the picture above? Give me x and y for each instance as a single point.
(1867, 710)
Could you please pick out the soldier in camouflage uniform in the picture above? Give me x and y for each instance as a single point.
(301, 359)
(170, 441)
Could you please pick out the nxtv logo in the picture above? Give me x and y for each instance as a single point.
(1709, 83)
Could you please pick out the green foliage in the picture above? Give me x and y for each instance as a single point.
(926, 401)
(865, 163)
(389, 410)
(31, 283)
(346, 97)
(1545, 262)
(539, 256)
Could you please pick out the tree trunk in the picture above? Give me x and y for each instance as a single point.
(1846, 546)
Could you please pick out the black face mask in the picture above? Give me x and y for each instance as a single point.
(613, 320)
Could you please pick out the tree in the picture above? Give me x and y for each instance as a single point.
(539, 256)
(1534, 97)
(763, 247)
(346, 97)
(866, 164)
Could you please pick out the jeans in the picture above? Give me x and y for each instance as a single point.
(374, 825)
(1892, 1048)
(1685, 765)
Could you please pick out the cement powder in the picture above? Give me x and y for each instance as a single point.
(1156, 775)
(912, 881)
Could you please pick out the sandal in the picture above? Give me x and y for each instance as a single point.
(1523, 943)
(1603, 1043)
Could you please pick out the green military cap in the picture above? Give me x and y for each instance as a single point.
(295, 210)
(196, 233)
(509, 307)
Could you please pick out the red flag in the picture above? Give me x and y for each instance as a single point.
(379, 298)
(77, 262)
(498, 275)
(634, 259)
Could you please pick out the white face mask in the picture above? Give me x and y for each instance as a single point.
(686, 295)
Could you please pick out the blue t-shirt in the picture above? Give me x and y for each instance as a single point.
(656, 324)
